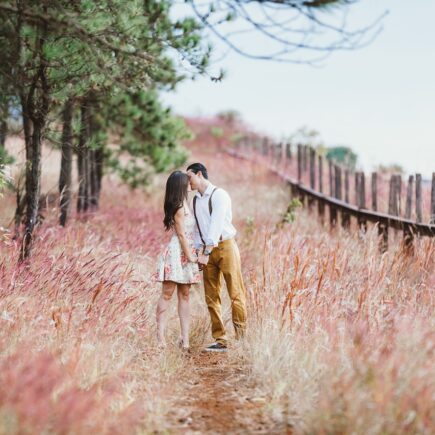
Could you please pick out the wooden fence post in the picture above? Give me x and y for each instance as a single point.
(383, 226)
(345, 217)
(391, 195)
(346, 186)
(283, 156)
(265, 147)
(312, 174)
(312, 168)
(356, 188)
(332, 215)
(361, 195)
(374, 191)
(408, 235)
(399, 194)
(278, 152)
(362, 190)
(271, 153)
(332, 208)
(395, 195)
(299, 151)
(338, 190)
(432, 201)
(409, 191)
(305, 158)
(418, 206)
(321, 204)
(320, 169)
(256, 148)
(331, 178)
(394, 206)
(288, 150)
(300, 158)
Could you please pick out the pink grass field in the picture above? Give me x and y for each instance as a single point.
(341, 338)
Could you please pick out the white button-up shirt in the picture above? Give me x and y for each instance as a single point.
(220, 221)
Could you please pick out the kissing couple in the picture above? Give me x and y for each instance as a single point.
(202, 240)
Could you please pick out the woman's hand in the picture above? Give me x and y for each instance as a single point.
(193, 258)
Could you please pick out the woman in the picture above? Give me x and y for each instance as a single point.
(178, 264)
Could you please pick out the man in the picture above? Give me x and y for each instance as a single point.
(218, 254)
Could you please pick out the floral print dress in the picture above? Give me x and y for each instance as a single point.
(173, 264)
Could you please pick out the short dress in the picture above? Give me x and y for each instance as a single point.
(173, 264)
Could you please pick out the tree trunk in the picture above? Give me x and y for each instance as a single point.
(33, 186)
(3, 132)
(4, 109)
(93, 181)
(35, 106)
(19, 210)
(97, 156)
(82, 160)
(22, 199)
(100, 163)
(66, 162)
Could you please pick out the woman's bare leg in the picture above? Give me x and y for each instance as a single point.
(184, 312)
(168, 288)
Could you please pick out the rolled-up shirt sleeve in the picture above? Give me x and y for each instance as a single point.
(221, 203)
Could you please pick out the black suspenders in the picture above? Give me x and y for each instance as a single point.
(210, 209)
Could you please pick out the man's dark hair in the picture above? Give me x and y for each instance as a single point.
(196, 167)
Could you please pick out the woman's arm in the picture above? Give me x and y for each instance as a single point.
(179, 229)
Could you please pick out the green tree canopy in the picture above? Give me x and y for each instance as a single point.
(343, 155)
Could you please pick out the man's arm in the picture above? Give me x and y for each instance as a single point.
(221, 203)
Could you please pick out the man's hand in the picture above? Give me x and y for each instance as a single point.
(202, 261)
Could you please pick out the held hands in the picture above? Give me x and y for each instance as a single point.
(199, 258)
(203, 260)
(193, 258)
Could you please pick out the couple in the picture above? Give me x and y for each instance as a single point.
(203, 239)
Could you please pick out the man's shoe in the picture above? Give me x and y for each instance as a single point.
(216, 347)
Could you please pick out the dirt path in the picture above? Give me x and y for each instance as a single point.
(218, 400)
(217, 396)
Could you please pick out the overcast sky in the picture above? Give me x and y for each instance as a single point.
(379, 100)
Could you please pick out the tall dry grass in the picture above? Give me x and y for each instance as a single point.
(341, 337)
(77, 337)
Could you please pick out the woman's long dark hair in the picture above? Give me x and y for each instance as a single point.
(176, 194)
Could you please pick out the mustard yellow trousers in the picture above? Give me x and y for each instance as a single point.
(224, 262)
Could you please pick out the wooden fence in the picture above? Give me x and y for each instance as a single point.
(304, 171)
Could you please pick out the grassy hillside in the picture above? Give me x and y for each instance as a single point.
(341, 339)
